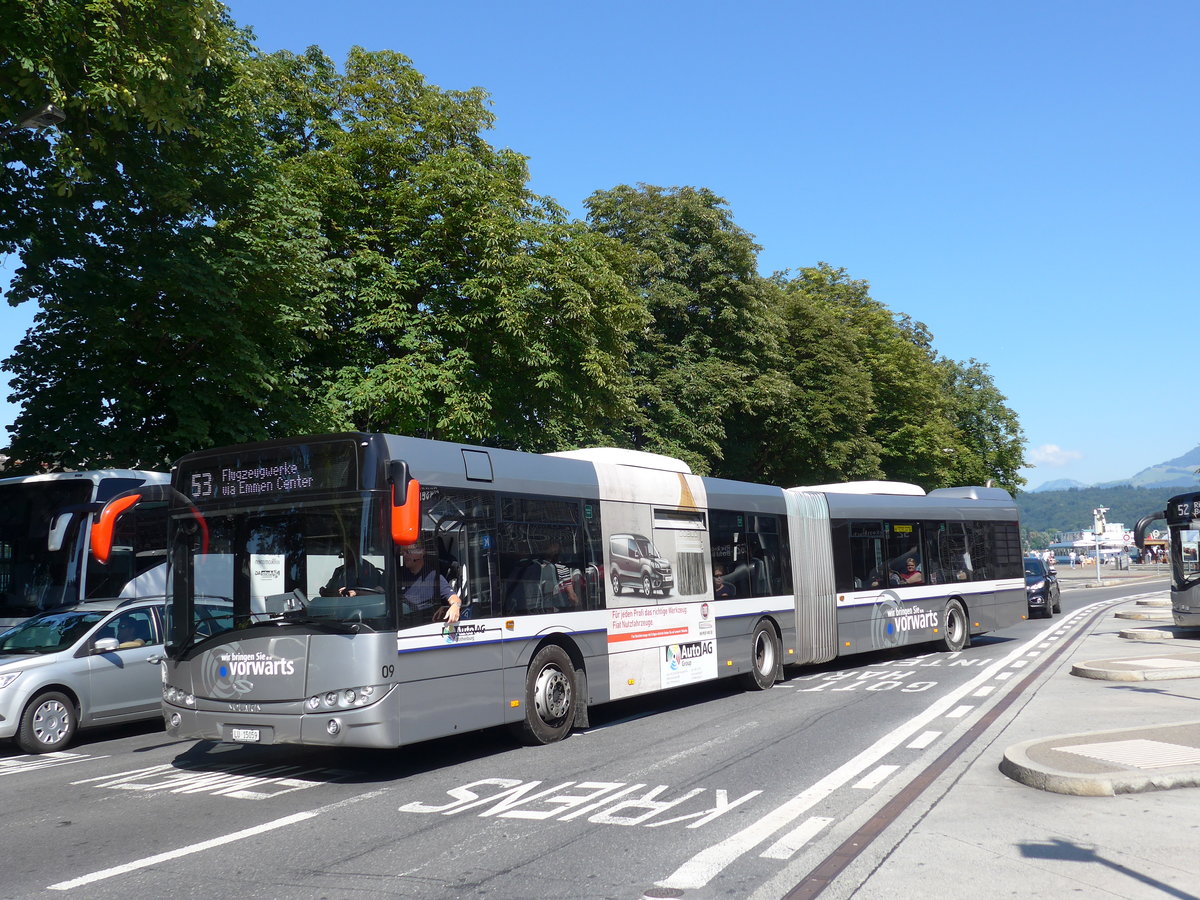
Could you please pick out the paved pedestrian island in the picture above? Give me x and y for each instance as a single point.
(1120, 761)
(1104, 763)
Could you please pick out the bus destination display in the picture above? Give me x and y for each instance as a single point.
(271, 473)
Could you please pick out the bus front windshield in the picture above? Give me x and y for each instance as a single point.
(37, 545)
(320, 563)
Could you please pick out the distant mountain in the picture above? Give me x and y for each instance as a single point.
(1051, 511)
(1062, 484)
(1066, 505)
(1178, 472)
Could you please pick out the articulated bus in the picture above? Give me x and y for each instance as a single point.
(1183, 524)
(584, 577)
(45, 529)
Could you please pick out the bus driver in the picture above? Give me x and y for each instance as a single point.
(423, 587)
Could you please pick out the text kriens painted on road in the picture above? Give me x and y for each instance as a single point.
(601, 802)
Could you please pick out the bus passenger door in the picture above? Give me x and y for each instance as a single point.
(453, 672)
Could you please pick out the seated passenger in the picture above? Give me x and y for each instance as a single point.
(721, 589)
(911, 574)
(352, 577)
(127, 636)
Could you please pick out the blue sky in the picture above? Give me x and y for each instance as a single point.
(1019, 175)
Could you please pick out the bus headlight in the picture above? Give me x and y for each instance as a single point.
(346, 698)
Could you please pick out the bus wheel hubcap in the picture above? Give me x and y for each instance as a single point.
(552, 694)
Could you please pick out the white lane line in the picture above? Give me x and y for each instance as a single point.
(1020, 664)
(705, 865)
(924, 740)
(984, 691)
(181, 851)
(128, 867)
(796, 838)
(959, 712)
(876, 778)
(1004, 676)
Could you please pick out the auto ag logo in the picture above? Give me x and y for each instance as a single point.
(673, 657)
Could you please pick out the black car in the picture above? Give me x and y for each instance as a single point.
(1041, 588)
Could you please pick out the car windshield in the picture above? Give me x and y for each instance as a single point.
(49, 633)
(1034, 567)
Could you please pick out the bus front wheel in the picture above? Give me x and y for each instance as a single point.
(549, 697)
(764, 658)
(955, 633)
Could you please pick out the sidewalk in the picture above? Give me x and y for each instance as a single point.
(1085, 576)
(1081, 773)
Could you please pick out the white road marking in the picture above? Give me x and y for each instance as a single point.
(959, 712)
(924, 740)
(128, 867)
(698, 871)
(984, 691)
(876, 778)
(796, 838)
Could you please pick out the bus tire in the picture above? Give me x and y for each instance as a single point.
(764, 658)
(955, 632)
(48, 723)
(549, 697)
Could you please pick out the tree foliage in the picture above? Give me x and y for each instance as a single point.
(226, 246)
(112, 66)
(706, 366)
(1050, 511)
(468, 308)
(166, 275)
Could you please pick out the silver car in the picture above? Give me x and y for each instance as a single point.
(92, 664)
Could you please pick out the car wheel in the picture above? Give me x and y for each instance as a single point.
(1058, 603)
(47, 724)
(647, 587)
(616, 583)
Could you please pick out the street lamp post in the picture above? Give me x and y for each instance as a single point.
(45, 116)
(1097, 529)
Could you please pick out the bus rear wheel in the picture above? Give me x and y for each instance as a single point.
(764, 658)
(549, 697)
(955, 633)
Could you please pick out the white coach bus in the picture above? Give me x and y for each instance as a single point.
(45, 528)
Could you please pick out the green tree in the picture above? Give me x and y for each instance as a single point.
(904, 415)
(706, 368)
(823, 428)
(989, 444)
(167, 259)
(111, 66)
(468, 308)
